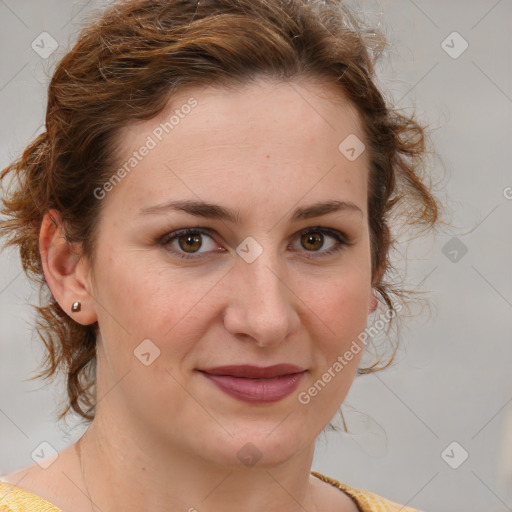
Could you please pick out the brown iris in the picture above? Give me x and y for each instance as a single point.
(313, 241)
(190, 243)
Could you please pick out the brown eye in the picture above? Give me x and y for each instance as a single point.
(317, 242)
(312, 241)
(190, 243)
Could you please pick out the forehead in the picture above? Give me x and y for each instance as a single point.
(263, 103)
(258, 138)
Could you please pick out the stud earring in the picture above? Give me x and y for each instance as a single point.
(75, 308)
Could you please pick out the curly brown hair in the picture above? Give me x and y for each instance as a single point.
(127, 64)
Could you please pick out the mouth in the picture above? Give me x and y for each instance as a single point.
(256, 384)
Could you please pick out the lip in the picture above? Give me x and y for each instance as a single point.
(254, 372)
(256, 384)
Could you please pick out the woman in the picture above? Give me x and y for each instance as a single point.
(209, 208)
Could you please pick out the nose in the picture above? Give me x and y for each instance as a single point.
(262, 305)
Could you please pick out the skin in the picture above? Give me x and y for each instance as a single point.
(164, 437)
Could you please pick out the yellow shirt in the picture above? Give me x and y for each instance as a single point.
(14, 499)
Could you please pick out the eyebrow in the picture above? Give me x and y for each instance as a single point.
(214, 211)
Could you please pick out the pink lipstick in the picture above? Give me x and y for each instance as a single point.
(256, 384)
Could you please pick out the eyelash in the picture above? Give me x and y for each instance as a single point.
(340, 238)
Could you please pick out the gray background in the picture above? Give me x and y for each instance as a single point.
(452, 379)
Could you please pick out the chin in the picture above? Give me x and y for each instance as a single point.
(253, 447)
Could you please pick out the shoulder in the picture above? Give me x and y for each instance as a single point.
(15, 499)
(43, 489)
(365, 500)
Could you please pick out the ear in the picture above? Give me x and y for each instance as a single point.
(66, 272)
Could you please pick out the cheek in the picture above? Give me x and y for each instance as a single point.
(343, 310)
(340, 297)
(140, 297)
(339, 313)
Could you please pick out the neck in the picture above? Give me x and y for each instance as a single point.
(123, 468)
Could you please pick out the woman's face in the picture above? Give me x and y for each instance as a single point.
(265, 276)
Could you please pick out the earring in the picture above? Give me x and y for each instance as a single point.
(75, 308)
